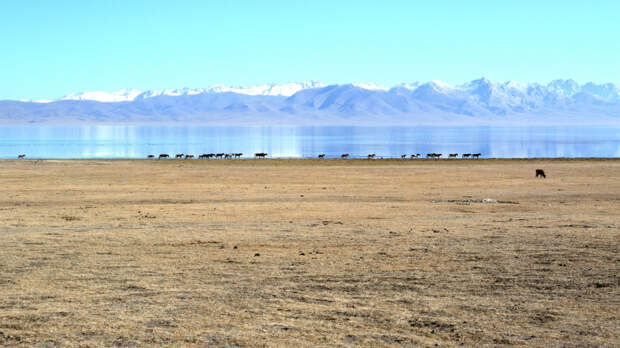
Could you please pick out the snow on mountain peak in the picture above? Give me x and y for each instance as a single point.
(371, 86)
(120, 96)
(286, 90)
(440, 85)
(564, 88)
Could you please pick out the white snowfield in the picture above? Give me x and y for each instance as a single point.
(120, 96)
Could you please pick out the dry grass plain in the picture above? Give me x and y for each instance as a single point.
(309, 253)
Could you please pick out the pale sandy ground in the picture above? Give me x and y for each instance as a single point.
(309, 253)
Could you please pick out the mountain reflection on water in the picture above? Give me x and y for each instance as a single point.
(301, 142)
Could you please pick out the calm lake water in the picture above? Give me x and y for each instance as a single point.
(284, 141)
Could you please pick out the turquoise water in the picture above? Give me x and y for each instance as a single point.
(285, 141)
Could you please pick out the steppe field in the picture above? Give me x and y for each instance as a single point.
(309, 253)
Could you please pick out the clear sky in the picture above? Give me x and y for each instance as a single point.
(53, 48)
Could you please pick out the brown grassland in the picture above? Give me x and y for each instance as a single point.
(291, 253)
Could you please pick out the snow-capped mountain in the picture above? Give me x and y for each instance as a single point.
(287, 90)
(120, 96)
(476, 102)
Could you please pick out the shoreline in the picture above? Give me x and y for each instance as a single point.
(355, 160)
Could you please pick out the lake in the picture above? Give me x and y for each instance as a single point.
(299, 142)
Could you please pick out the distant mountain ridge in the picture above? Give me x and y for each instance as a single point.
(287, 89)
(313, 103)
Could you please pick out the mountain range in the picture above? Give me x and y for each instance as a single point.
(477, 102)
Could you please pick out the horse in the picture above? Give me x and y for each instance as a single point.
(453, 155)
(150, 156)
(475, 155)
(179, 155)
(22, 156)
(219, 155)
(164, 155)
(371, 156)
(260, 155)
(322, 155)
(540, 172)
(466, 155)
(228, 155)
(415, 156)
(403, 156)
(203, 156)
(344, 155)
(189, 156)
(237, 155)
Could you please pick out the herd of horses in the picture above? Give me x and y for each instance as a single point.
(343, 156)
(264, 155)
(539, 172)
(450, 155)
(417, 155)
(210, 155)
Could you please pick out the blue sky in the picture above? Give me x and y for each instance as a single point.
(53, 48)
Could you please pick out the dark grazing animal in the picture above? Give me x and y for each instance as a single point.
(540, 172)
(179, 155)
(415, 156)
(164, 155)
(453, 155)
(219, 155)
(150, 156)
(322, 155)
(228, 155)
(475, 155)
(371, 155)
(237, 155)
(344, 155)
(22, 156)
(260, 155)
(403, 156)
(466, 155)
(189, 156)
(203, 156)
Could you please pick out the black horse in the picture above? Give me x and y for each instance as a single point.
(260, 155)
(164, 155)
(541, 173)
